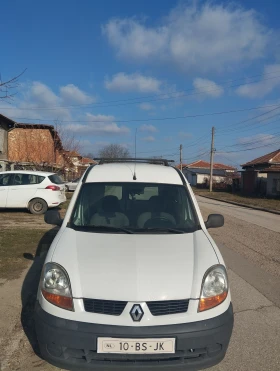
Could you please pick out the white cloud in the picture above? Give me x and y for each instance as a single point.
(41, 95)
(98, 124)
(38, 95)
(146, 106)
(134, 82)
(31, 101)
(72, 94)
(195, 36)
(150, 138)
(259, 139)
(150, 128)
(263, 87)
(207, 87)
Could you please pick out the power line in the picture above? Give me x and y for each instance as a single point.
(228, 159)
(198, 156)
(255, 125)
(250, 119)
(275, 135)
(166, 96)
(158, 119)
(250, 149)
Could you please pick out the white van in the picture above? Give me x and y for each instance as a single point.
(33, 190)
(133, 280)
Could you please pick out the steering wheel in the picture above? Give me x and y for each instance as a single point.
(159, 222)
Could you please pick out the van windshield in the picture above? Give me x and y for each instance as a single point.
(134, 208)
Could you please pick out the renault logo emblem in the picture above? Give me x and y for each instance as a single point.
(136, 313)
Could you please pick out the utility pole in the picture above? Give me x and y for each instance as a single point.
(181, 164)
(212, 159)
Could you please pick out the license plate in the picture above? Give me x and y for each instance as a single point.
(136, 346)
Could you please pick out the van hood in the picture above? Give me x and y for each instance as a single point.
(134, 267)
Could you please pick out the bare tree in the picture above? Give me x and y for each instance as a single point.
(67, 151)
(7, 87)
(114, 151)
(68, 139)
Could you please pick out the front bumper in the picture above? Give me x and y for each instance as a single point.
(73, 345)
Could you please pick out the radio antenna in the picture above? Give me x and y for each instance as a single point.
(135, 149)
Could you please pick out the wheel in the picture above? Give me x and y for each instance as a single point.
(66, 189)
(38, 206)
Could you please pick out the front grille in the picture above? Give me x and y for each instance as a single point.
(161, 308)
(111, 307)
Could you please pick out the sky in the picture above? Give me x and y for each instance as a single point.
(111, 71)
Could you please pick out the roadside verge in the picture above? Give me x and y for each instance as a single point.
(242, 205)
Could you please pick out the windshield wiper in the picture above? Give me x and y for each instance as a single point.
(171, 230)
(106, 228)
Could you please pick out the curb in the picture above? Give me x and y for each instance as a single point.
(242, 205)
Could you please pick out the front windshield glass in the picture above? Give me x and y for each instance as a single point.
(134, 207)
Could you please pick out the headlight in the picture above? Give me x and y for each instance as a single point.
(214, 288)
(55, 286)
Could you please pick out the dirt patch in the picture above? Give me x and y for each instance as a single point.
(14, 219)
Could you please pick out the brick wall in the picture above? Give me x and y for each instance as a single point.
(32, 145)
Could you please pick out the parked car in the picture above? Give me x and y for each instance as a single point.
(71, 186)
(133, 279)
(35, 190)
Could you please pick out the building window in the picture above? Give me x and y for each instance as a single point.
(276, 186)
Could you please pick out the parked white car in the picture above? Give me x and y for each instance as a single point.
(133, 280)
(35, 190)
(71, 186)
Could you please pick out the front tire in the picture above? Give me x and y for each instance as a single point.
(38, 206)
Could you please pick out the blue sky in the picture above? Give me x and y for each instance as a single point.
(105, 69)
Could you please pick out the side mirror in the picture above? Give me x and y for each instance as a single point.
(53, 217)
(214, 221)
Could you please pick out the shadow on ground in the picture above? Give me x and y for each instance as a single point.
(30, 287)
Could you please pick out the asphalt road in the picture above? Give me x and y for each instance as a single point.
(250, 244)
(256, 217)
(251, 249)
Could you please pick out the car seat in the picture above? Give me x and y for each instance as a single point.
(110, 214)
(156, 206)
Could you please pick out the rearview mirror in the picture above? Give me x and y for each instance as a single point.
(214, 221)
(53, 217)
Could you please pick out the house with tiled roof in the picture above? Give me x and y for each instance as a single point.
(29, 146)
(198, 173)
(78, 164)
(262, 175)
(37, 147)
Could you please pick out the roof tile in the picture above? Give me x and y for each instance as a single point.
(270, 158)
(206, 165)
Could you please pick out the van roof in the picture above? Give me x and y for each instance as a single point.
(124, 172)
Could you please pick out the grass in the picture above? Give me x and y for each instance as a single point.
(14, 243)
(266, 203)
